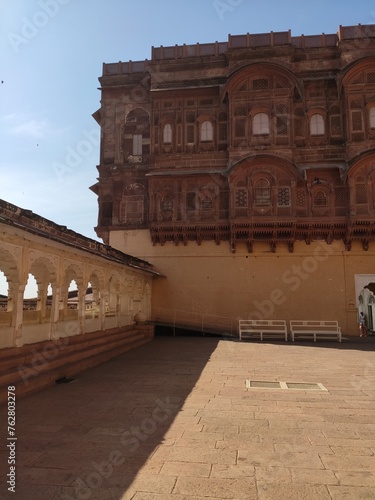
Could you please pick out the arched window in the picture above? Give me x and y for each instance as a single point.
(136, 133)
(261, 124)
(166, 207)
(73, 296)
(317, 124)
(167, 203)
(262, 192)
(167, 134)
(320, 199)
(207, 132)
(30, 294)
(3, 292)
(372, 117)
(207, 203)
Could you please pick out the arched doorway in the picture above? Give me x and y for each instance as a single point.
(365, 288)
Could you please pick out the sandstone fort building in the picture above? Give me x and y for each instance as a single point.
(244, 172)
(235, 181)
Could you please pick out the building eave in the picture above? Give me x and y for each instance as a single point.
(28, 221)
(180, 172)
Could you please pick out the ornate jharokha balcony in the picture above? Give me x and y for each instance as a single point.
(223, 141)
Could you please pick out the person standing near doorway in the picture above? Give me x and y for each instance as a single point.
(362, 325)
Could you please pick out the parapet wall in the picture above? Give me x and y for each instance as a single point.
(248, 41)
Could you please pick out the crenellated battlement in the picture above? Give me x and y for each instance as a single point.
(245, 41)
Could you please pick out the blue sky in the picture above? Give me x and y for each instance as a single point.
(52, 54)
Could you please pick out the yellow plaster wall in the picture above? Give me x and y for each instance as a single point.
(209, 284)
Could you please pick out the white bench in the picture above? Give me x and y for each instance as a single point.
(309, 328)
(261, 327)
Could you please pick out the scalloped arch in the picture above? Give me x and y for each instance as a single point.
(9, 266)
(96, 278)
(44, 270)
(137, 109)
(364, 161)
(73, 272)
(263, 163)
(243, 71)
(353, 71)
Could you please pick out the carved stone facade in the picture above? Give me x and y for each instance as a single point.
(264, 138)
(263, 144)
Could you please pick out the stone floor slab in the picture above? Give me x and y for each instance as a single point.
(292, 491)
(173, 420)
(351, 492)
(354, 478)
(228, 488)
(185, 469)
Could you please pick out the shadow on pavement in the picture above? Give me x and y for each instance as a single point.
(88, 439)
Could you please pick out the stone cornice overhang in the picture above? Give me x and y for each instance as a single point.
(121, 80)
(189, 84)
(266, 230)
(26, 220)
(186, 172)
(177, 172)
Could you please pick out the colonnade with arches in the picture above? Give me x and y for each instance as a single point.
(106, 293)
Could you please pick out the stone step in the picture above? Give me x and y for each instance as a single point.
(35, 366)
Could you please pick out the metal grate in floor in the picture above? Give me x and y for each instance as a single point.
(271, 384)
(262, 383)
(306, 386)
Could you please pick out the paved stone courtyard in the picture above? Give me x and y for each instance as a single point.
(174, 420)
